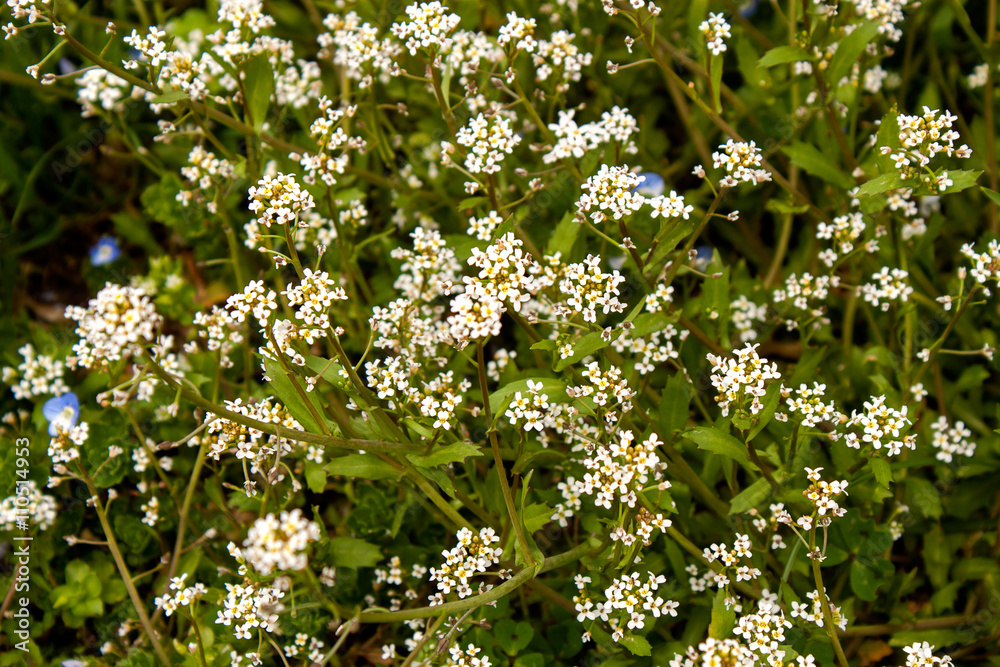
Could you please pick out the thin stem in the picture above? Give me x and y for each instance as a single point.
(831, 629)
(122, 568)
(501, 471)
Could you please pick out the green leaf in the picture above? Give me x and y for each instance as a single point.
(849, 50)
(563, 236)
(924, 496)
(718, 442)
(723, 618)
(783, 54)
(471, 202)
(880, 184)
(513, 637)
(864, 581)
(290, 397)
(170, 97)
(975, 568)
(449, 454)
(882, 471)
(937, 556)
(354, 553)
(675, 405)
(636, 644)
(362, 466)
(536, 516)
(962, 179)
(992, 194)
(813, 161)
(750, 497)
(715, 72)
(315, 477)
(783, 207)
(259, 84)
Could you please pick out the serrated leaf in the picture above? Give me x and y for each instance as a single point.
(880, 184)
(362, 466)
(992, 194)
(783, 54)
(849, 50)
(354, 553)
(290, 397)
(170, 97)
(962, 179)
(636, 645)
(750, 497)
(259, 84)
(675, 405)
(814, 162)
(713, 440)
(458, 451)
(882, 471)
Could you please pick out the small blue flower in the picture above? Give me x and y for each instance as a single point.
(105, 251)
(703, 258)
(748, 8)
(62, 410)
(650, 185)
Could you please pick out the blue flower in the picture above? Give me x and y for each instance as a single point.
(748, 9)
(703, 258)
(105, 251)
(650, 185)
(62, 411)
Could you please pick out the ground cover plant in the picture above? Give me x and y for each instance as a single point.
(582, 333)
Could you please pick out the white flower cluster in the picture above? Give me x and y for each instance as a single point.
(617, 472)
(519, 31)
(355, 46)
(249, 443)
(466, 658)
(66, 439)
(737, 378)
(205, 171)
(429, 27)
(715, 30)
(844, 231)
(806, 294)
(330, 137)
(279, 543)
(528, 411)
(813, 611)
(279, 199)
(742, 163)
(886, 286)
(951, 440)
(587, 289)
(251, 606)
(764, 632)
(670, 206)
(483, 228)
(253, 300)
(560, 54)
(713, 652)
(574, 140)
(488, 138)
(736, 562)
(99, 90)
(661, 295)
(604, 386)
(745, 314)
(28, 502)
(881, 427)
(611, 189)
(923, 137)
(112, 326)
(503, 278)
(471, 556)
(922, 655)
(652, 351)
(36, 375)
(987, 264)
(179, 595)
(313, 297)
(219, 331)
(310, 648)
(151, 46)
(807, 403)
(823, 496)
(626, 602)
(887, 12)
